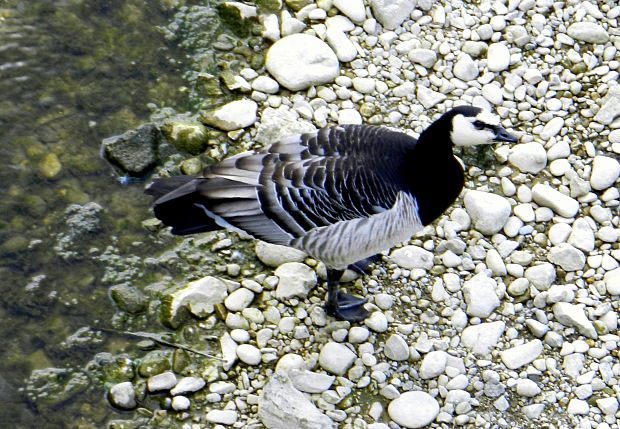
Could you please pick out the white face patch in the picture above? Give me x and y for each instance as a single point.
(464, 133)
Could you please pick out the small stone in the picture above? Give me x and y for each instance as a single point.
(465, 68)
(552, 128)
(377, 322)
(610, 107)
(299, 61)
(274, 255)
(224, 417)
(573, 316)
(518, 356)
(188, 385)
(528, 157)
(349, 116)
(612, 281)
(609, 406)
(336, 358)
(578, 407)
(354, 9)
(281, 405)
(413, 409)
(533, 411)
(424, 57)
(343, 47)
(489, 212)
(589, 32)
(310, 382)
(562, 204)
(296, 279)
(365, 85)
(412, 257)
(482, 338)
(50, 166)
(180, 403)
(396, 348)
(582, 236)
(605, 172)
(265, 84)
(232, 116)
(164, 381)
(249, 354)
(391, 13)
(527, 388)
(429, 98)
(480, 296)
(567, 257)
(498, 57)
(433, 365)
(123, 395)
(541, 276)
(358, 334)
(239, 299)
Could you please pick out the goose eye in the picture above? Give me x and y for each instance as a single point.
(478, 125)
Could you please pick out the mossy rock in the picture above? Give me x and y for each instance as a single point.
(186, 135)
(154, 363)
(237, 17)
(128, 298)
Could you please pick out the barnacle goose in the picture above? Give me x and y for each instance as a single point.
(342, 193)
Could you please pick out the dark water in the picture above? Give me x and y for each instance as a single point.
(71, 73)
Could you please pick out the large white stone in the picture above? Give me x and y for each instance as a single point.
(411, 257)
(588, 32)
(275, 255)
(296, 279)
(528, 157)
(518, 356)
(465, 68)
(429, 98)
(354, 9)
(413, 409)
(541, 276)
(433, 364)
(567, 257)
(336, 358)
(552, 128)
(424, 57)
(605, 172)
(299, 61)
(340, 43)
(480, 296)
(560, 203)
(482, 338)
(282, 406)
(612, 281)
(582, 236)
(310, 382)
(498, 57)
(573, 316)
(392, 13)
(232, 116)
(610, 107)
(488, 212)
(396, 348)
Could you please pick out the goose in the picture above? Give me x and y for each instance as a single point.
(342, 194)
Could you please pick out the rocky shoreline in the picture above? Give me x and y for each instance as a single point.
(503, 313)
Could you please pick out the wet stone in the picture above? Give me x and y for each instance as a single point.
(122, 395)
(164, 381)
(188, 385)
(128, 298)
(135, 151)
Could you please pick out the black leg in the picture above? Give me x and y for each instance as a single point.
(341, 305)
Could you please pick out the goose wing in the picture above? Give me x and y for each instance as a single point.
(306, 181)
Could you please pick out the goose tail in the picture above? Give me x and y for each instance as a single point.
(178, 205)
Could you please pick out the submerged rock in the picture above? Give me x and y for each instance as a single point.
(52, 386)
(186, 135)
(136, 151)
(282, 406)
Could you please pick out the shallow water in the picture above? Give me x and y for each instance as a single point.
(71, 73)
